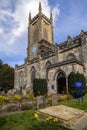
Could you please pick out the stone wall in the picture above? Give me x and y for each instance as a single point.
(53, 73)
(18, 106)
(62, 55)
(84, 54)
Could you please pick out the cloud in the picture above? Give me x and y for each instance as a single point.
(1, 31)
(14, 23)
(55, 13)
(73, 19)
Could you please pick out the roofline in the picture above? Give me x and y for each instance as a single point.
(66, 62)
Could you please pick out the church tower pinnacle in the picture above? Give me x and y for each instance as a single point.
(29, 16)
(51, 17)
(40, 7)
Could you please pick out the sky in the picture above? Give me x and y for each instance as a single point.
(69, 18)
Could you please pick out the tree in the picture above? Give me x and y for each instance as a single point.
(6, 76)
(39, 87)
(72, 78)
(1, 64)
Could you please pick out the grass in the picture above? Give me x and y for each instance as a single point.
(74, 103)
(85, 128)
(26, 121)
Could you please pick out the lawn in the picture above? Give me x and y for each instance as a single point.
(85, 128)
(74, 103)
(26, 121)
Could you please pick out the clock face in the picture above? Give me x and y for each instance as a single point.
(34, 49)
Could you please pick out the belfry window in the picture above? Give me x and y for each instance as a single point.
(35, 35)
(45, 34)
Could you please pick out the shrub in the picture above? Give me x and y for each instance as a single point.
(72, 78)
(3, 99)
(17, 98)
(39, 87)
(2, 121)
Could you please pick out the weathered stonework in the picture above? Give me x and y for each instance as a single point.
(48, 60)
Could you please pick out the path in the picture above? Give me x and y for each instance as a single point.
(82, 123)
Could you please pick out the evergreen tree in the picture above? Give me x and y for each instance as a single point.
(74, 77)
(39, 87)
(6, 76)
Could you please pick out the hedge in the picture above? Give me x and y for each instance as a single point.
(74, 77)
(39, 87)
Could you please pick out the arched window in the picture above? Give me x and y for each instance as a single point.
(33, 74)
(71, 56)
(47, 64)
(21, 79)
(61, 75)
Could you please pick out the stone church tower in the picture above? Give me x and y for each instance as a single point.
(48, 60)
(40, 27)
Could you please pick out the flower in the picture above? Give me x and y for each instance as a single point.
(50, 117)
(36, 115)
(55, 120)
(30, 96)
(17, 98)
(3, 99)
(47, 119)
(64, 97)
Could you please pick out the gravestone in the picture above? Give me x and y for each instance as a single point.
(9, 93)
(41, 102)
(54, 98)
(24, 92)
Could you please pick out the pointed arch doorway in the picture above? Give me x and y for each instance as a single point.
(61, 83)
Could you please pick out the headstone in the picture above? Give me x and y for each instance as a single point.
(27, 90)
(41, 102)
(18, 91)
(24, 92)
(9, 93)
(54, 98)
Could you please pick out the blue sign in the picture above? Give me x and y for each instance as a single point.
(52, 87)
(78, 84)
(79, 93)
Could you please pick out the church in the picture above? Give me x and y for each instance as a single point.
(50, 61)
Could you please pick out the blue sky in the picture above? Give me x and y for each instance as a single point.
(70, 17)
